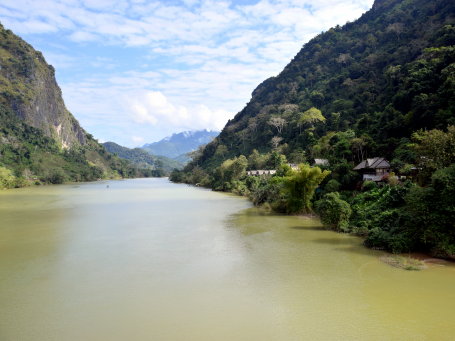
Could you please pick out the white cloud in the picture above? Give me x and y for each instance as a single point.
(186, 64)
(152, 107)
(81, 36)
(137, 139)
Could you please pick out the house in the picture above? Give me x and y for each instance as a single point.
(321, 162)
(261, 172)
(373, 169)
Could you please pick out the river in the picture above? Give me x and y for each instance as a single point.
(145, 259)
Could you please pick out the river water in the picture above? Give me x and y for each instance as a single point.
(146, 259)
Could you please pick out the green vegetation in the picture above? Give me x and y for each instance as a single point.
(27, 157)
(380, 86)
(158, 165)
(287, 190)
(299, 187)
(334, 211)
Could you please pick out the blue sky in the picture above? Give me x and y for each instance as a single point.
(135, 71)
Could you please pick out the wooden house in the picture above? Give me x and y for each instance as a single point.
(373, 169)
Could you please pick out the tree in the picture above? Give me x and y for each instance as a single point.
(195, 155)
(278, 123)
(358, 144)
(243, 136)
(334, 211)
(298, 156)
(299, 187)
(276, 160)
(311, 117)
(253, 125)
(221, 151)
(435, 150)
(257, 160)
(396, 28)
(344, 58)
(288, 109)
(230, 170)
(238, 167)
(431, 213)
(275, 141)
(7, 179)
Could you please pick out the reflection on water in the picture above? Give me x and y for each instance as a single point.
(149, 260)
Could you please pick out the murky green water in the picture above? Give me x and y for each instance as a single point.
(150, 260)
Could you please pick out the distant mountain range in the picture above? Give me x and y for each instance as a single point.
(178, 145)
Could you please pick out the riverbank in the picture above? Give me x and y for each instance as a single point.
(389, 217)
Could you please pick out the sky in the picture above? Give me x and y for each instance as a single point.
(135, 71)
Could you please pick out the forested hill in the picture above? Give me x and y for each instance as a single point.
(40, 140)
(160, 165)
(389, 73)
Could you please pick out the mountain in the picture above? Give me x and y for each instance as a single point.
(380, 78)
(177, 145)
(40, 140)
(28, 87)
(161, 165)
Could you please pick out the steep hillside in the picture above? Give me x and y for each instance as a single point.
(177, 145)
(382, 77)
(29, 89)
(160, 165)
(40, 141)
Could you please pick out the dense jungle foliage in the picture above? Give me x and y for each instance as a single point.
(384, 86)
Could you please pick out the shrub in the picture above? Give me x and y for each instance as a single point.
(334, 212)
(332, 186)
(369, 185)
(55, 176)
(7, 179)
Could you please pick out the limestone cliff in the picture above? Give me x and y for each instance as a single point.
(28, 87)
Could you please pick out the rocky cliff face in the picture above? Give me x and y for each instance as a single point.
(29, 88)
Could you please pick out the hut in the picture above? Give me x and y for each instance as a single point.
(321, 162)
(373, 169)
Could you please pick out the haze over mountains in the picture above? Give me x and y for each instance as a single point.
(179, 144)
(167, 154)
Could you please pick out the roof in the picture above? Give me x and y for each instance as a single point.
(374, 163)
(321, 162)
(261, 172)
